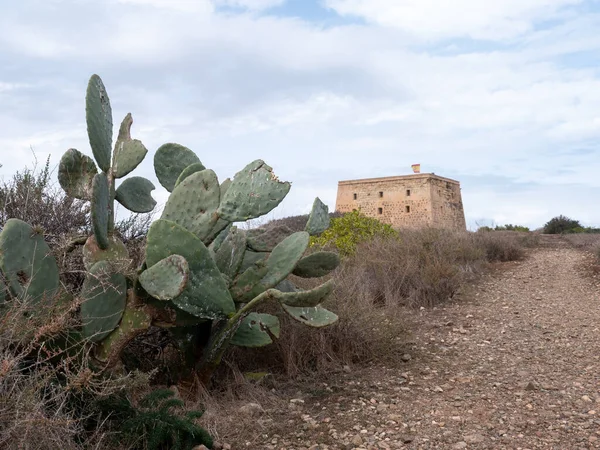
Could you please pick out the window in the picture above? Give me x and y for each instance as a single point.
(407, 209)
(379, 210)
(408, 192)
(355, 196)
(380, 194)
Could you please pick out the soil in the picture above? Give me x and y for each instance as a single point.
(512, 363)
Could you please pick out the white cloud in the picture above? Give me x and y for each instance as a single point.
(187, 6)
(454, 18)
(319, 104)
(252, 5)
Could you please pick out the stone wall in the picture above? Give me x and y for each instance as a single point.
(447, 204)
(410, 201)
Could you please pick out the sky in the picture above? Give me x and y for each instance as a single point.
(503, 96)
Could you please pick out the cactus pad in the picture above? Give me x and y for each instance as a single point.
(29, 268)
(129, 153)
(194, 202)
(135, 195)
(266, 239)
(167, 278)
(305, 299)
(254, 191)
(103, 297)
(316, 317)
(205, 294)
(277, 267)
(318, 221)
(100, 200)
(169, 161)
(231, 253)
(98, 115)
(317, 265)
(251, 258)
(284, 258)
(247, 285)
(75, 174)
(220, 238)
(116, 253)
(134, 322)
(192, 168)
(256, 330)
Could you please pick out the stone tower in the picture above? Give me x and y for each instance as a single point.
(410, 201)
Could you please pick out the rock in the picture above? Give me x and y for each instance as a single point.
(474, 439)
(406, 357)
(531, 386)
(251, 409)
(357, 440)
(200, 447)
(459, 445)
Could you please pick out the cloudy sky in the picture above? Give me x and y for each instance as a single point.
(502, 95)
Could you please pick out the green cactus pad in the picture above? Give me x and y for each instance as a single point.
(98, 115)
(194, 202)
(75, 174)
(247, 285)
(169, 161)
(100, 200)
(230, 255)
(167, 278)
(278, 266)
(116, 253)
(316, 317)
(254, 191)
(135, 195)
(266, 239)
(318, 221)
(192, 168)
(220, 238)
(317, 265)
(286, 286)
(306, 299)
(134, 322)
(103, 295)
(129, 153)
(251, 258)
(221, 224)
(28, 266)
(284, 258)
(256, 330)
(205, 294)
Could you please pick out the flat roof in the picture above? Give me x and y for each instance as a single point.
(414, 176)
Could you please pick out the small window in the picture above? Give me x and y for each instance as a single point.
(407, 209)
(447, 185)
(380, 194)
(379, 210)
(355, 196)
(408, 192)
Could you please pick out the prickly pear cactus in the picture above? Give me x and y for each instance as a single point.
(200, 271)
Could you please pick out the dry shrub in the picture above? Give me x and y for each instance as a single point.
(583, 241)
(503, 246)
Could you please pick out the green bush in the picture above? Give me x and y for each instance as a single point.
(561, 224)
(158, 422)
(510, 227)
(346, 232)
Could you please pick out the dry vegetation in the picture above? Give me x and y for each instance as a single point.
(45, 405)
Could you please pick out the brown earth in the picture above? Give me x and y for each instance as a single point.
(513, 363)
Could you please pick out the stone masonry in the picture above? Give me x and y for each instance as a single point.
(410, 201)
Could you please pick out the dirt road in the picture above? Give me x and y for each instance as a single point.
(512, 364)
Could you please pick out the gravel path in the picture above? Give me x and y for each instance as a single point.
(513, 364)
